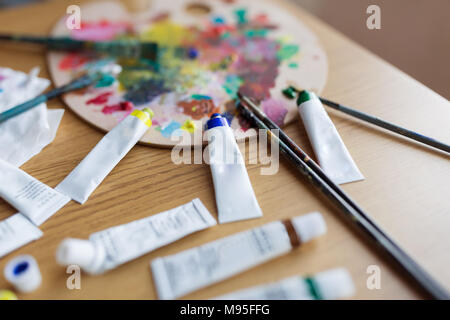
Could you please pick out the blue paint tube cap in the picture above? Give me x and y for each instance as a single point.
(216, 120)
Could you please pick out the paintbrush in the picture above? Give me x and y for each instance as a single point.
(292, 93)
(78, 83)
(301, 154)
(382, 241)
(124, 48)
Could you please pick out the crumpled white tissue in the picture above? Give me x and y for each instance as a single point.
(25, 135)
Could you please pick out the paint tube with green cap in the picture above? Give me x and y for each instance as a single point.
(333, 156)
(91, 171)
(327, 285)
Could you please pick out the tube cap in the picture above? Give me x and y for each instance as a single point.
(335, 284)
(309, 226)
(7, 295)
(83, 253)
(23, 273)
(304, 96)
(216, 120)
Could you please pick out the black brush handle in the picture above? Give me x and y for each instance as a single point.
(387, 125)
(423, 279)
(304, 156)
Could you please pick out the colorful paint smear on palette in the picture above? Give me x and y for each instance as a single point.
(232, 56)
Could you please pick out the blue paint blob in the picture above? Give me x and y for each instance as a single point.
(145, 91)
(192, 53)
(170, 129)
(21, 268)
(218, 20)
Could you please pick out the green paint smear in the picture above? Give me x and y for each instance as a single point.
(200, 97)
(293, 65)
(225, 35)
(290, 93)
(129, 77)
(241, 16)
(253, 33)
(105, 81)
(232, 84)
(287, 51)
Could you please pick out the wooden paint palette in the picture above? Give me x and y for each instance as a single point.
(251, 46)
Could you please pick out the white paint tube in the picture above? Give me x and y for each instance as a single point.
(333, 156)
(327, 285)
(196, 268)
(15, 232)
(112, 247)
(94, 168)
(235, 197)
(32, 198)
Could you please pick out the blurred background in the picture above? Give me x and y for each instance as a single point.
(414, 34)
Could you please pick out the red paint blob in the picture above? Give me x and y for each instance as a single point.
(121, 106)
(72, 61)
(100, 99)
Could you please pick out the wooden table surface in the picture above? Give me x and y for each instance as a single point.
(406, 189)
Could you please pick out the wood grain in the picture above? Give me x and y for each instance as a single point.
(406, 188)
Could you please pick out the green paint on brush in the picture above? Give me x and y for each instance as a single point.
(287, 51)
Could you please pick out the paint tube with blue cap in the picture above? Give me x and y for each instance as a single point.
(29, 196)
(235, 197)
(330, 150)
(94, 168)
